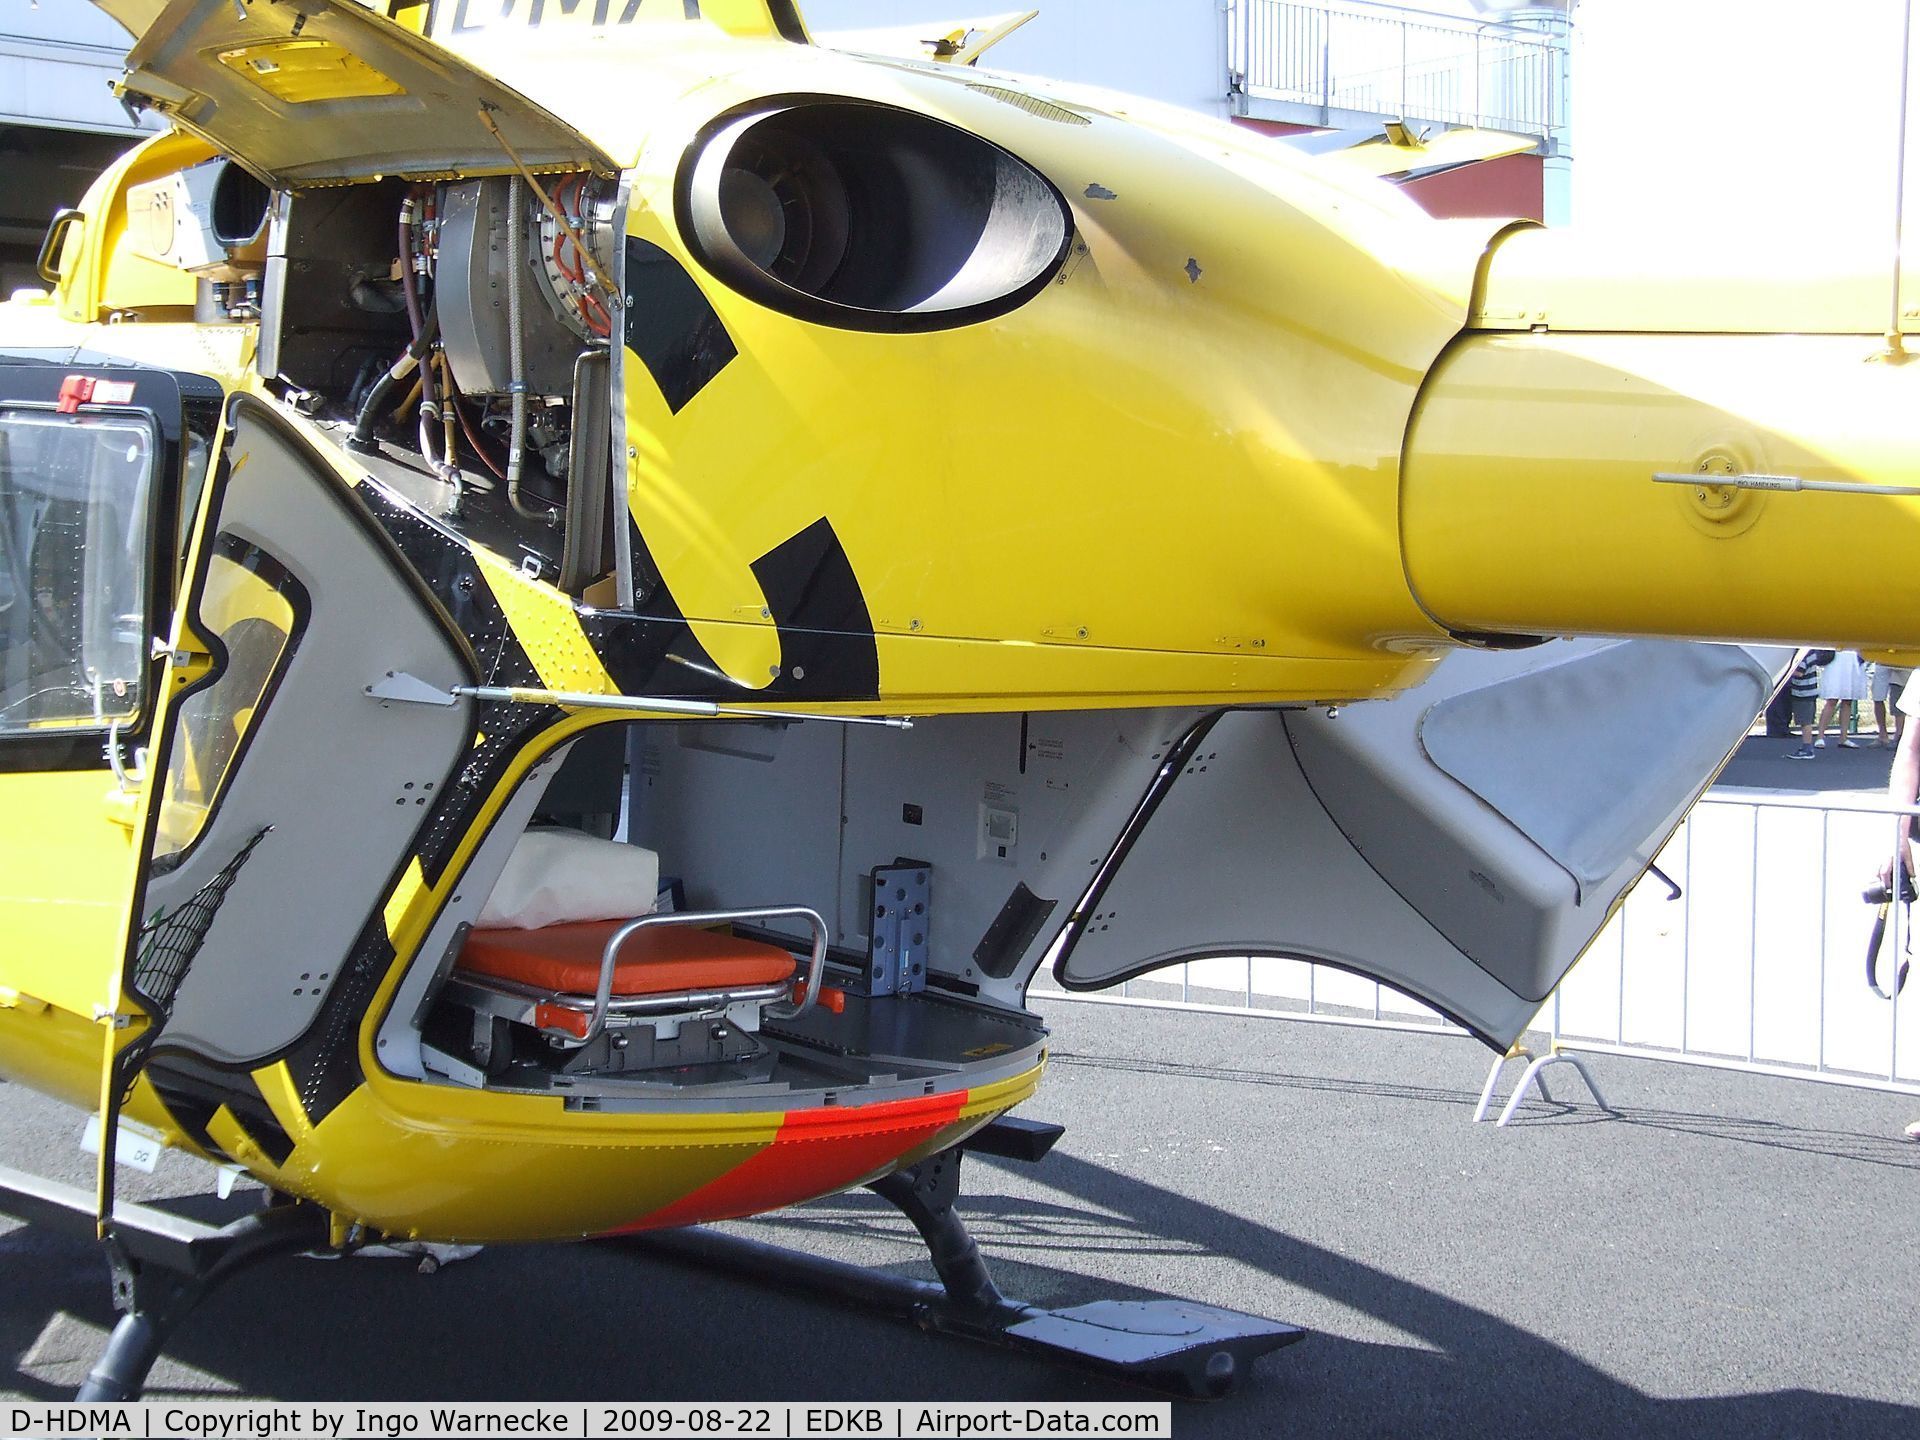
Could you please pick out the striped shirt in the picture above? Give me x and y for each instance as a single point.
(1806, 679)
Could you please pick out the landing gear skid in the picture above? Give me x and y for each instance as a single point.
(1177, 1347)
(162, 1265)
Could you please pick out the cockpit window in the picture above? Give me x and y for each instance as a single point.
(256, 609)
(75, 514)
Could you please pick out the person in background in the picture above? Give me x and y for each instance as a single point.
(1842, 683)
(1903, 782)
(1803, 688)
(1885, 683)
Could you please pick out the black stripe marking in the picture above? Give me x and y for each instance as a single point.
(671, 325)
(827, 645)
(193, 1090)
(786, 19)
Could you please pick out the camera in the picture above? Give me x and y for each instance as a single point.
(1879, 893)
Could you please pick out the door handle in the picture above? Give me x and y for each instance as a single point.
(122, 802)
(48, 265)
(128, 778)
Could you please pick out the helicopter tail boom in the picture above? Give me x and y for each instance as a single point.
(1696, 485)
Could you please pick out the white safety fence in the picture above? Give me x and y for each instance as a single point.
(1759, 965)
(1384, 60)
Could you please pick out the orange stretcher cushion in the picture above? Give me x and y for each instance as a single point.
(659, 960)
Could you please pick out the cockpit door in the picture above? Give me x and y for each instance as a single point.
(305, 92)
(283, 802)
(98, 466)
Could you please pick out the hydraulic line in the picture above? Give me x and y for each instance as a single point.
(406, 266)
(457, 407)
(429, 398)
(517, 354)
(447, 419)
(375, 403)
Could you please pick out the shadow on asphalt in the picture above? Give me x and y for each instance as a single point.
(1869, 1148)
(602, 1321)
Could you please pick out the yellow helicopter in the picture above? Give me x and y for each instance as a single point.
(941, 523)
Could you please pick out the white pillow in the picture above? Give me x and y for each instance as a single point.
(557, 876)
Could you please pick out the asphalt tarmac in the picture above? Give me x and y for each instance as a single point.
(1761, 763)
(1726, 1255)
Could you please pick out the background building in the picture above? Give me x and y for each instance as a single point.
(1284, 66)
(59, 123)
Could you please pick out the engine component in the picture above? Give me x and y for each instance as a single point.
(870, 218)
(209, 220)
(329, 252)
(566, 279)
(473, 292)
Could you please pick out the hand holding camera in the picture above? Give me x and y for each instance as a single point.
(1881, 891)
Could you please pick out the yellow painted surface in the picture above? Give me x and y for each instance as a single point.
(51, 1050)
(1383, 156)
(549, 627)
(445, 1164)
(406, 895)
(100, 274)
(1530, 505)
(470, 1165)
(66, 870)
(1171, 469)
(213, 724)
(455, 23)
(301, 72)
(58, 1053)
(1696, 279)
(1174, 476)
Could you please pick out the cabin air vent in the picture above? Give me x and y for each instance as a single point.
(1032, 104)
(866, 217)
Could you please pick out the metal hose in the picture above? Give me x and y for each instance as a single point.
(517, 351)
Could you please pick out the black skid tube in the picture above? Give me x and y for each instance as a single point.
(1176, 1347)
(162, 1265)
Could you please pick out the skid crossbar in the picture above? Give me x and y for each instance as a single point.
(162, 1265)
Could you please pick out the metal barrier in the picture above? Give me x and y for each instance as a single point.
(1763, 967)
(1380, 59)
(1758, 965)
(1268, 987)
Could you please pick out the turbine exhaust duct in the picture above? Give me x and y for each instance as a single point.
(866, 217)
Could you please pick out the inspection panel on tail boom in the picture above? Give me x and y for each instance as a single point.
(943, 523)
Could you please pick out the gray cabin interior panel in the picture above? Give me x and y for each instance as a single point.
(1014, 813)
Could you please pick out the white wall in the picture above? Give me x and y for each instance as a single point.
(56, 61)
(1170, 50)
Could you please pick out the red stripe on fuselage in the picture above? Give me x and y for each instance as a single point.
(817, 1152)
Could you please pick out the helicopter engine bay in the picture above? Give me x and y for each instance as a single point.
(456, 334)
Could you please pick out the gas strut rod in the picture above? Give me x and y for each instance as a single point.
(411, 690)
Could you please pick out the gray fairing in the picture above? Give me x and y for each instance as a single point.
(1463, 842)
(333, 782)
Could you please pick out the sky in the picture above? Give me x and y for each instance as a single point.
(1764, 116)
